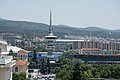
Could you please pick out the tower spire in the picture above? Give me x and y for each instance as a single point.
(50, 28)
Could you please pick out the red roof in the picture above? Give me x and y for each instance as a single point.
(22, 52)
(21, 62)
(91, 49)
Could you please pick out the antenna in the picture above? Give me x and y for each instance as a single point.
(90, 33)
(50, 28)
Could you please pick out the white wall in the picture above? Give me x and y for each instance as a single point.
(6, 73)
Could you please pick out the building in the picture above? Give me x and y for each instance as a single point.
(90, 51)
(22, 55)
(27, 44)
(51, 55)
(6, 62)
(41, 55)
(107, 46)
(3, 46)
(15, 49)
(98, 59)
(21, 66)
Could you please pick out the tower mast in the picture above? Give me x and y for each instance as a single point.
(50, 28)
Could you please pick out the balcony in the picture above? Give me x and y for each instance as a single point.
(5, 59)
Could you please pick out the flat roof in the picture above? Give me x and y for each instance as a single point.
(67, 40)
(3, 42)
(15, 49)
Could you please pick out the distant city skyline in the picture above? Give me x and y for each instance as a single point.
(75, 13)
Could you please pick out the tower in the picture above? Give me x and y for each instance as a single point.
(50, 39)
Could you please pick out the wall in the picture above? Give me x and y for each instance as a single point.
(5, 74)
(21, 68)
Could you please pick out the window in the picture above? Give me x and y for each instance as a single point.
(16, 69)
(23, 55)
(39, 54)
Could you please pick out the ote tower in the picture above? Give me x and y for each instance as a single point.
(50, 39)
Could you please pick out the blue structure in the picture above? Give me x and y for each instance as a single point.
(41, 55)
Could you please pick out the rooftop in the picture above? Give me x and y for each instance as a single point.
(68, 40)
(3, 42)
(21, 62)
(22, 52)
(91, 49)
(13, 48)
(4, 53)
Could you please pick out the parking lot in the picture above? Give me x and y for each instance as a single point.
(38, 76)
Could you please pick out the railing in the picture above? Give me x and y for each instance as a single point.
(5, 59)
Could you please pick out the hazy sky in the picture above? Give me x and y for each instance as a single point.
(76, 13)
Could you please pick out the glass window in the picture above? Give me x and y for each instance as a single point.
(16, 69)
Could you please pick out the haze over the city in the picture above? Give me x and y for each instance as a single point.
(75, 13)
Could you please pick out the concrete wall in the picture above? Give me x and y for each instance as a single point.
(21, 68)
(6, 73)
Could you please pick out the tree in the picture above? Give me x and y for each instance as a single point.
(48, 66)
(76, 72)
(15, 76)
(11, 52)
(65, 73)
(35, 57)
(19, 76)
(42, 69)
(23, 74)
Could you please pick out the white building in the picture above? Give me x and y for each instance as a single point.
(6, 63)
(3, 46)
(15, 49)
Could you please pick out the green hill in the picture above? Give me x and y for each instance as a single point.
(40, 29)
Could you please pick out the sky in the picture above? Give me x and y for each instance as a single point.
(75, 13)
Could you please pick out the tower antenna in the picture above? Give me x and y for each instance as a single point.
(50, 28)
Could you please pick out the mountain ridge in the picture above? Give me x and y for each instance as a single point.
(41, 29)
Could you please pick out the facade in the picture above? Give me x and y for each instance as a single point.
(21, 66)
(107, 46)
(90, 51)
(50, 40)
(22, 55)
(98, 59)
(51, 55)
(27, 44)
(3, 46)
(6, 64)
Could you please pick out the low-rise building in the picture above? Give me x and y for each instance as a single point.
(51, 55)
(90, 51)
(22, 55)
(21, 66)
